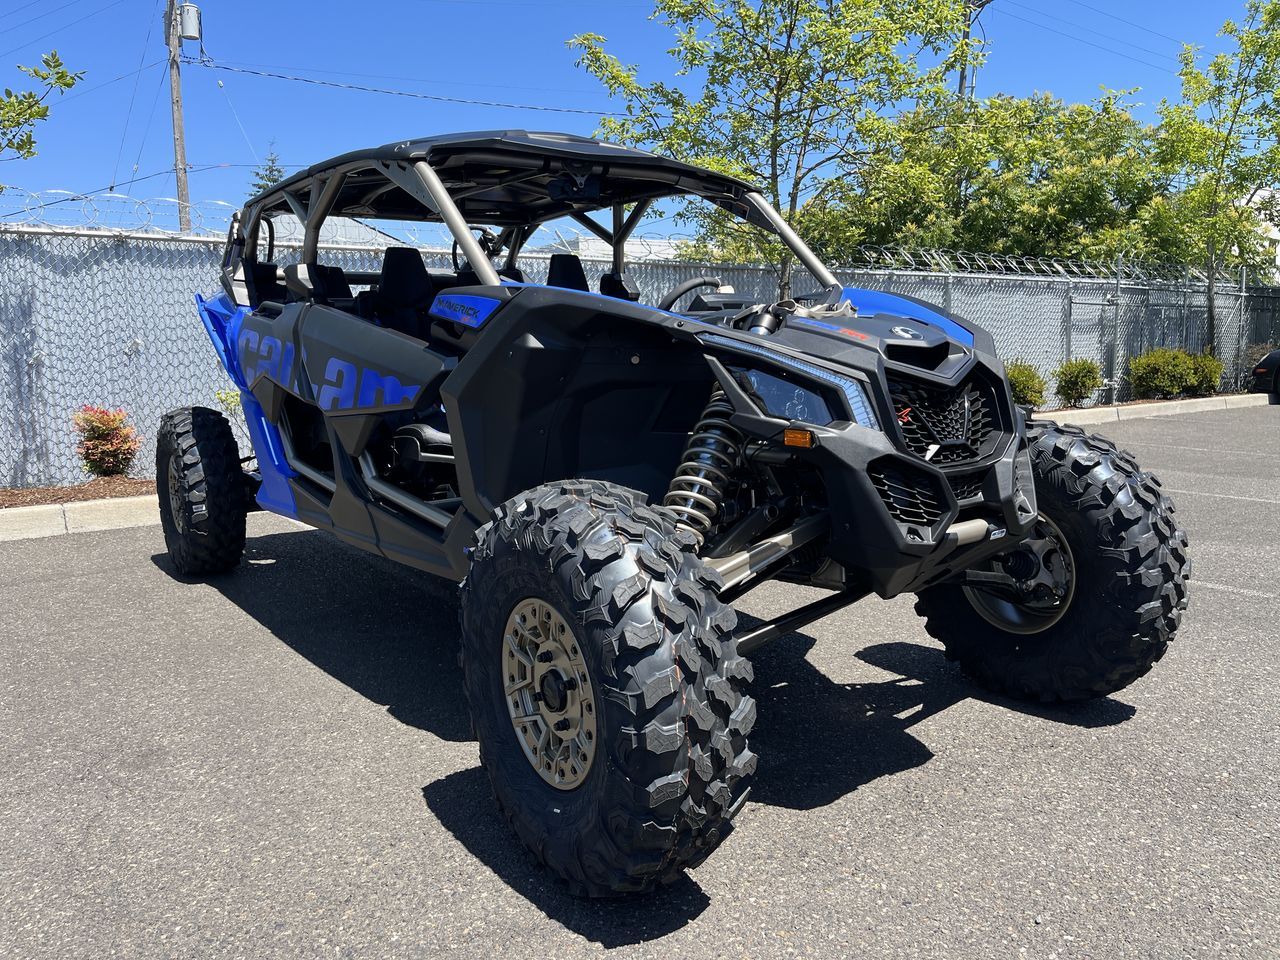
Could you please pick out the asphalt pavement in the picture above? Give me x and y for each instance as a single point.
(278, 763)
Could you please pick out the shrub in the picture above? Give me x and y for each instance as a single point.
(1161, 372)
(107, 443)
(1077, 381)
(1206, 374)
(1026, 383)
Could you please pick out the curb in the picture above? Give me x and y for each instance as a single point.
(1168, 408)
(85, 516)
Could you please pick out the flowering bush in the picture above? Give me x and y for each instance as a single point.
(107, 443)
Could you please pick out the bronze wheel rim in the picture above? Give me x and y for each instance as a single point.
(548, 692)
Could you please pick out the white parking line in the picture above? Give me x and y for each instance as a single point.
(1213, 450)
(1220, 496)
(1239, 591)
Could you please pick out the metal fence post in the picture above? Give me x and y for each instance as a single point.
(1066, 321)
(1243, 312)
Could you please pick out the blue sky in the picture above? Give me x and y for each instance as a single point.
(506, 50)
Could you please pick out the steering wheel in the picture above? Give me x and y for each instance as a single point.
(669, 301)
(489, 241)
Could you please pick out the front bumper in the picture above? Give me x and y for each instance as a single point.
(894, 518)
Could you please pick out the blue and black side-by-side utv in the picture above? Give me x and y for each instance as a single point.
(604, 477)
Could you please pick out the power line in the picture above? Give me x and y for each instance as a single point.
(1108, 13)
(137, 77)
(19, 9)
(401, 79)
(1100, 33)
(1069, 36)
(106, 83)
(146, 130)
(243, 132)
(41, 16)
(65, 26)
(439, 98)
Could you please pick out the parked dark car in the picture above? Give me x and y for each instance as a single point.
(1265, 377)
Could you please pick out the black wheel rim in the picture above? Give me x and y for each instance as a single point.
(1044, 570)
(176, 499)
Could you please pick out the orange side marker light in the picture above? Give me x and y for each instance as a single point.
(792, 437)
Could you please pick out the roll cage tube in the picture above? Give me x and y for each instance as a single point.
(792, 240)
(457, 225)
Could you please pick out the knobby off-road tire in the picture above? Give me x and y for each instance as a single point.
(201, 489)
(1131, 569)
(672, 764)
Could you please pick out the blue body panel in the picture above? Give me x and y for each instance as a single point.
(875, 301)
(222, 320)
(467, 309)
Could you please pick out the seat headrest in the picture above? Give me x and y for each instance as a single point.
(404, 280)
(565, 270)
(329, 283)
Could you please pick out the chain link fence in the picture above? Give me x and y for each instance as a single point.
(108, 318)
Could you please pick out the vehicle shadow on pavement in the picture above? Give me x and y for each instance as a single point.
(819, 740)
(388, 632)
(463, 803)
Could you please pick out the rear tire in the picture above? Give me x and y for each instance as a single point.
(201, 489)
(655, 648)
(1130, 568)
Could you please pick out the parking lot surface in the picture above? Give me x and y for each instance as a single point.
(279, 763)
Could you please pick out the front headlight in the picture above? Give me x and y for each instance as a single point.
(790, 388)
(780, 398)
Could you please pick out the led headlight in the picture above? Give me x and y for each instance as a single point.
(780, 398)
(792, 397)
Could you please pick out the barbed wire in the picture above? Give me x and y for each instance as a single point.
(942, 260)
(120, 213)
(109, 212)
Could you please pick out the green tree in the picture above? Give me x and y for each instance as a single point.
(269, 172)
(1223, 134)
(22, 110)
(793, 95)
(1025, 176)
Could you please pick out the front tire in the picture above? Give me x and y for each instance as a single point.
(595, 589)
(201, 489)
(1128, 561)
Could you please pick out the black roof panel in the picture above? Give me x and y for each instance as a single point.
(476, 161)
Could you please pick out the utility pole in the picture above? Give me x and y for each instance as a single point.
(973, 8)
(173, 39)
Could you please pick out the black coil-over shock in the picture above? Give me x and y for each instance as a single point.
(712, 455)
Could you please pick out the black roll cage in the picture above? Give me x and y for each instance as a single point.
(372, 183)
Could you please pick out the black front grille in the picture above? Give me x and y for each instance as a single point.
(945, 425)
(966, 486)
(912, 496)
